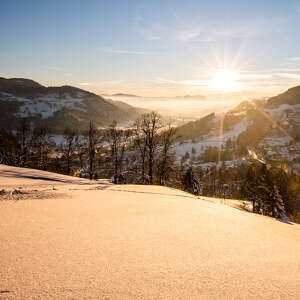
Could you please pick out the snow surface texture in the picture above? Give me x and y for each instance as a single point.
(101, 241)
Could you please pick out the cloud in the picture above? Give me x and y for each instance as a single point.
(250, 29)
(204, 31)
(157, 31)
(192, 35)
(289, 75)
(244, 81)
(252, 76)
(294, 59)
(122, 51)
(53, 68)
(100, 83)
(183, 82)
(86, 83)
(149, 34)
(208, 78)
(186, 35)
(288, 70)
(58, 70)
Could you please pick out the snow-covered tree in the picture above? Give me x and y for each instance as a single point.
(278, 206)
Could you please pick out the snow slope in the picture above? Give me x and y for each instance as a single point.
(48, 104)
(212, 140)
(101, 241)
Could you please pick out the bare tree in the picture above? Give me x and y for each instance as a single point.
(151, 123)
(9, 147)
(42, 144)
(117, 139)
(80, 148)
(167, 139)
(24, 133)
(68, 148)
(141, 145)
(93, 140)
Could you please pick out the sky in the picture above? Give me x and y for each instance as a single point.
(154, 48)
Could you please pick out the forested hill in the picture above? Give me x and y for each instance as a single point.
(272, 127)
(57, 107)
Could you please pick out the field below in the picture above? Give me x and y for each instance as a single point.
(68, 238)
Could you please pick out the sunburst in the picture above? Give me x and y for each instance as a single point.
(224, 81)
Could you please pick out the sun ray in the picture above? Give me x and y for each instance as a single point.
(274, 123)
(221, 131)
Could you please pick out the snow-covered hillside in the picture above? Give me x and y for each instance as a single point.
(57, 107)
(69, 238)
(212, 139)
(45, 106)
(272, 128)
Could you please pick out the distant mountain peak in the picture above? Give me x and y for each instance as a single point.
(192, 97)
(125, 95)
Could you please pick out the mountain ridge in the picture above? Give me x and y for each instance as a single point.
(291, 96)
(58, 107)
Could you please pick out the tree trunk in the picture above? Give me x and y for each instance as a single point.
(151, 167)
(91, 166)
(68, 166)
(143, 169)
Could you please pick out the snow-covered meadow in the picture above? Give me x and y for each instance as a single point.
(65, 237)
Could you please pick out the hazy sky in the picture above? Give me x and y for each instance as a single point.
(153, 47)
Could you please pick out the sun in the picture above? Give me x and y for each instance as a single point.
(224, 80)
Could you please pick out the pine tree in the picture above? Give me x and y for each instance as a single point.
(191, 182)
(281, 179)
(264, 191)
(278, 204)
(249, 189)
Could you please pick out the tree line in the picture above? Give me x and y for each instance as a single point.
(146, 154)
(146, 149)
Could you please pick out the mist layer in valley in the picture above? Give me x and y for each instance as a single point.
(183, 108)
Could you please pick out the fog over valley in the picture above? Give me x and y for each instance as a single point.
(185, 107)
